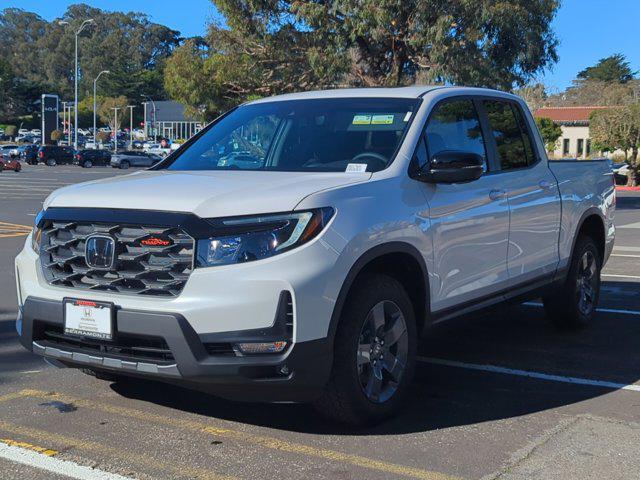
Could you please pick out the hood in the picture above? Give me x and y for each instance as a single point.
(205, 193)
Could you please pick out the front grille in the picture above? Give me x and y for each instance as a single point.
(126, 347)
(160, 268)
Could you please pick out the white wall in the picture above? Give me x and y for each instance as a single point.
(573, 134)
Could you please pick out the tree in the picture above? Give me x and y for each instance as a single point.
(596, 92)
(268, 47)
(107, 114)
(56, 136)
(610, 69)
(535, 95)
(210, 76)
(11, 130)
(550, 132)
(619, 128)
(483, 42)
(103, 137)
(41, 53)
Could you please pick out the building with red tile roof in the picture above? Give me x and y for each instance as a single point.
(575, 141)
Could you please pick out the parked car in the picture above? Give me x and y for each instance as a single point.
(23, 131)
(9, 149)
(52, 155)
(157, 149)
(10, 163)
(134, 159)
(36, 132)
(29, 154)
(364, 217)
(91, 158)
(620, 171)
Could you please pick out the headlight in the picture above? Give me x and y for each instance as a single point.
(244, 239)
(36, 234)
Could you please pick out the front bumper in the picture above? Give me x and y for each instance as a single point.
(298, 374)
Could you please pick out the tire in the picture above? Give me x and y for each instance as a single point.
(574, 304)
(51, 162)
(124, 165)
(360, 368)
(18, 168)
(87, 164)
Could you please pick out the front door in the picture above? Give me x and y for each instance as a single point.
(469, 221)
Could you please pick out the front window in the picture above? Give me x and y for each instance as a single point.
(324, 135)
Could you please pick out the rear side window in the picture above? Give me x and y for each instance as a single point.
(455, 126)
(508, 128)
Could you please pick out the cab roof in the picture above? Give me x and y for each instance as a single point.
(398, 92)
(415, 91)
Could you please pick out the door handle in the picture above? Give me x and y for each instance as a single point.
(497, 194)
(545, 184)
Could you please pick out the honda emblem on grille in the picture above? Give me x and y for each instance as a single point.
(100, 252)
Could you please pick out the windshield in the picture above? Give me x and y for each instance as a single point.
(324, 135)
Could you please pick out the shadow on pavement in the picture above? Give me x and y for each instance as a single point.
(519, 337)
(627, 202)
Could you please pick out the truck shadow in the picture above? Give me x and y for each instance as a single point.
(518, 337)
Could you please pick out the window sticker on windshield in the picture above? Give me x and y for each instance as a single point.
(362, 120)
(356, 167)
(407, 117)
(381, 119)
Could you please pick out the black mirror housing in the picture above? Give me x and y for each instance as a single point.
(452, 167)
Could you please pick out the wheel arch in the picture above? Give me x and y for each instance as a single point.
(592, 224)
(400, 260)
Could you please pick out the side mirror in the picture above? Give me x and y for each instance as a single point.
(452, 167)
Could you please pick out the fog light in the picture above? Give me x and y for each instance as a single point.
(263, 347)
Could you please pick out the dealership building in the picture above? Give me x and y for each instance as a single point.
(168, 119)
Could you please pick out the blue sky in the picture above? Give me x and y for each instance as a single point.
(587, 29)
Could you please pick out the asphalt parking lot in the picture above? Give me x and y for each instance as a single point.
(499, 396)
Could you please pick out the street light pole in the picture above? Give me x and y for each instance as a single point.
(144, 106)
(130, 107)
(95, 82)
(115, 126)
(64, 118)
(154, 114)
(75, 101)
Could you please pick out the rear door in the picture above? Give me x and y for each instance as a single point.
(532, 192)
(469, 221)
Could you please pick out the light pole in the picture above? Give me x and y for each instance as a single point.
(154, 115)
(75, 99)
(144, 116)
(131, 107)
(115, 126)
(64, 118)
(95, 82)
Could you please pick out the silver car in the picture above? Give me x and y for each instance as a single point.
(134, 159)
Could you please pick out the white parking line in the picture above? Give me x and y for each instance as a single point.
(623, 248)
(55, 465)
(623, 255)
(530, 374)
(604, 310)
(630, 225)
(613, 275)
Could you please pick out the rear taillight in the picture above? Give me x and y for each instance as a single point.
(40, 154)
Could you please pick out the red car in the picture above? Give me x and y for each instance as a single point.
(9, 163)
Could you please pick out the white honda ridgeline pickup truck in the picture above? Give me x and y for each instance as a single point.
(296, 248)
